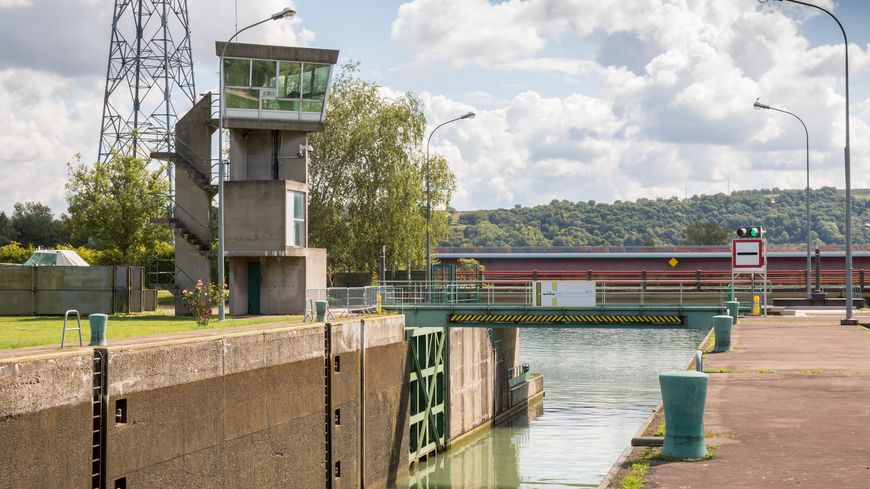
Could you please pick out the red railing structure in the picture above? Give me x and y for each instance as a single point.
(644, 278)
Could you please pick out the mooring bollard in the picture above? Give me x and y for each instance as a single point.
(98, 329)
(733, 309)
(321, 310)
(684, 394)
(722, 328)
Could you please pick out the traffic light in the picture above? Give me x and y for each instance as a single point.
(750, 232)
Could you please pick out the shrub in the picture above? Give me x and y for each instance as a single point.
(201, 298)
(15, 253)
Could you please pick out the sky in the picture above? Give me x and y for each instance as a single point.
(575, 99)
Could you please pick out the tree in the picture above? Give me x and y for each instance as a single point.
(35, 225)
(7, 232)
(113, 204)
(706, 233)
(470, 265)
(366, 178)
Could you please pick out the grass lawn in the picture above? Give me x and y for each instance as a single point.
(165, 298)
(25, 331)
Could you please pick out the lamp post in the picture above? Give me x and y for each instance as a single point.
(848, 320)
(468, 115)
(283, 14)
(758, 105)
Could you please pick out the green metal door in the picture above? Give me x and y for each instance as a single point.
(428, 388)
(253, 287)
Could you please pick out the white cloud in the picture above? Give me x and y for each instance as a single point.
(15, 3)
(42, 127)
(676, 115)
(450, 31)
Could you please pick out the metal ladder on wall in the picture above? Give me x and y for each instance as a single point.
(327, 401)
(99, 411)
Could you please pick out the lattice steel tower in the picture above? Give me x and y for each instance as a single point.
(150, 70)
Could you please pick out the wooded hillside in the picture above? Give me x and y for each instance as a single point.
(660, 222)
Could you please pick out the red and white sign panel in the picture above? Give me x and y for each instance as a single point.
(747, 255)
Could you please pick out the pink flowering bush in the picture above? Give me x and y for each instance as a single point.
(201, 298)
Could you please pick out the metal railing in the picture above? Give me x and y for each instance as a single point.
(159, 273)
(511, 292)
(607, 292)
(518, 370)
(351, 300)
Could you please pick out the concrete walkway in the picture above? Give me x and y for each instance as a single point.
(794, 411)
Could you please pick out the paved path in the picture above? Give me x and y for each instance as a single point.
(795, 412)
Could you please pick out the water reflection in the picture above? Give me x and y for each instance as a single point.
(488, 460)
(601, 384)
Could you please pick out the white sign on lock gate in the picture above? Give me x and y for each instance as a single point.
(747, 256)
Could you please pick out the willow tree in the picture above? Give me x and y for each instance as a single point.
(367, 179)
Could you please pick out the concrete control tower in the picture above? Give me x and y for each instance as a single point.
(273, 97)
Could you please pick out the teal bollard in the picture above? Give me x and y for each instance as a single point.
(733, 310)
(321, 310)
(684, 394)
(722, 328)
(98, 329)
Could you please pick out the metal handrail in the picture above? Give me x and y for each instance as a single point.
(79, 328)
(612, 292)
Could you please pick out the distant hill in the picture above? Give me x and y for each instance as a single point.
(664, 222)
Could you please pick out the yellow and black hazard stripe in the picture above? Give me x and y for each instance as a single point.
(630, 319)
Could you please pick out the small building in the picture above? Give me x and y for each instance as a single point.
(274, 97)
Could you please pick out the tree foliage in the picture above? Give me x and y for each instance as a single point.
(7, 231)
(33, 223)
(706, 233)
(366, 178)
(667, 222)
(112, 204)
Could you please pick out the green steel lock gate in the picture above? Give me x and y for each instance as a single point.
(428, 391)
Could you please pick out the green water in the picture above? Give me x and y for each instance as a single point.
(601, 384)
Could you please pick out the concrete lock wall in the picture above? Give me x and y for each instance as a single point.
(45, 421)
(54, 290)
(472, 380)
(252, 409)
(479, 387)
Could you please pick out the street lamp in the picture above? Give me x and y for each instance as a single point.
(848, 320)
(283, 14)
(468, 115)
(758, 105)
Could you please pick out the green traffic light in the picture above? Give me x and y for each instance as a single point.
(752, 232)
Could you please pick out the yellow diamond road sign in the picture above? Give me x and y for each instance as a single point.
(673, 262)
